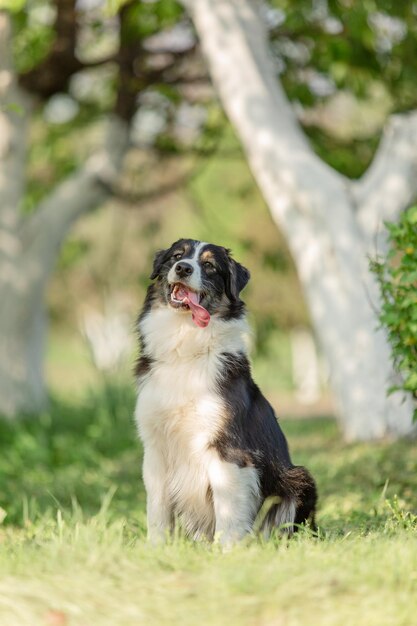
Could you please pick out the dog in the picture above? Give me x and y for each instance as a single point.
(213, 449)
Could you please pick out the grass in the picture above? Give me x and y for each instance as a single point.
(73, 549)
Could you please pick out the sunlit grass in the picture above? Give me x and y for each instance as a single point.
(73, 549)
(100, 572)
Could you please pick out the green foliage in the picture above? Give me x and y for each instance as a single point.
(347, 45)
(397, 278)
(353, 44)
(11, 5)
(349, 157)
(163, 12)
(325, 47)
(152, 17)
(33, 37)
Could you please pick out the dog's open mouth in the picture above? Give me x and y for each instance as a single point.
(182, 296)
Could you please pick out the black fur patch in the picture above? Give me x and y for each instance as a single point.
(143, 365)
(252, 436)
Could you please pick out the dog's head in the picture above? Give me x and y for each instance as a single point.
(201, 278)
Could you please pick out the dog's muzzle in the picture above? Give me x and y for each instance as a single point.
(183, 269)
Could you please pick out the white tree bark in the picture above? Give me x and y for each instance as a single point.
(316, 209)
(390, 183)
(29, 246)
(13, 124)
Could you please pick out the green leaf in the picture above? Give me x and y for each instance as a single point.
(12, 5)
(412, 215)
(411, 382)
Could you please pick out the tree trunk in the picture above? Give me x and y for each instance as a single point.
(20, 333)
(23, 280)
(29, 245)
(315, 208)
(25, 273)
(22, 340)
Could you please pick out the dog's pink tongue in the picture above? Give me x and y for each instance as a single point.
(200, 316)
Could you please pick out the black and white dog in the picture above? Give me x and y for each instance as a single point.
(213, 449)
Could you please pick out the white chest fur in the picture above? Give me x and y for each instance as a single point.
(179, 411)
(180, 391)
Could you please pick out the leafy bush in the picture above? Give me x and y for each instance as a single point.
(397, 278)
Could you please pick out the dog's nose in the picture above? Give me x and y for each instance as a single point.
(183, 269)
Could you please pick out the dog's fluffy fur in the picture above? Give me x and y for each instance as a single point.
(213, 449)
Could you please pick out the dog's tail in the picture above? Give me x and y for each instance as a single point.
(294, 504)
(305, 492)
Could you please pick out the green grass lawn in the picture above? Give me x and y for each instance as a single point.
(73, 549)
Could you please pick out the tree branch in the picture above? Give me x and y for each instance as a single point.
(134, 199)
(129, 60)
(54, 72)
(390, 184)
(43, 232)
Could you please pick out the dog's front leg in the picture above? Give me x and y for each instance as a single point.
(158, 508)
(235, 497)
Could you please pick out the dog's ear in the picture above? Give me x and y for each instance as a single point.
(238, 278)
(157, 264)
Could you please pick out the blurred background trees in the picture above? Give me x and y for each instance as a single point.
(54, 44)
(135, 70)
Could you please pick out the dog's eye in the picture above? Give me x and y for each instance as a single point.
(209, 265)
(177, 256)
